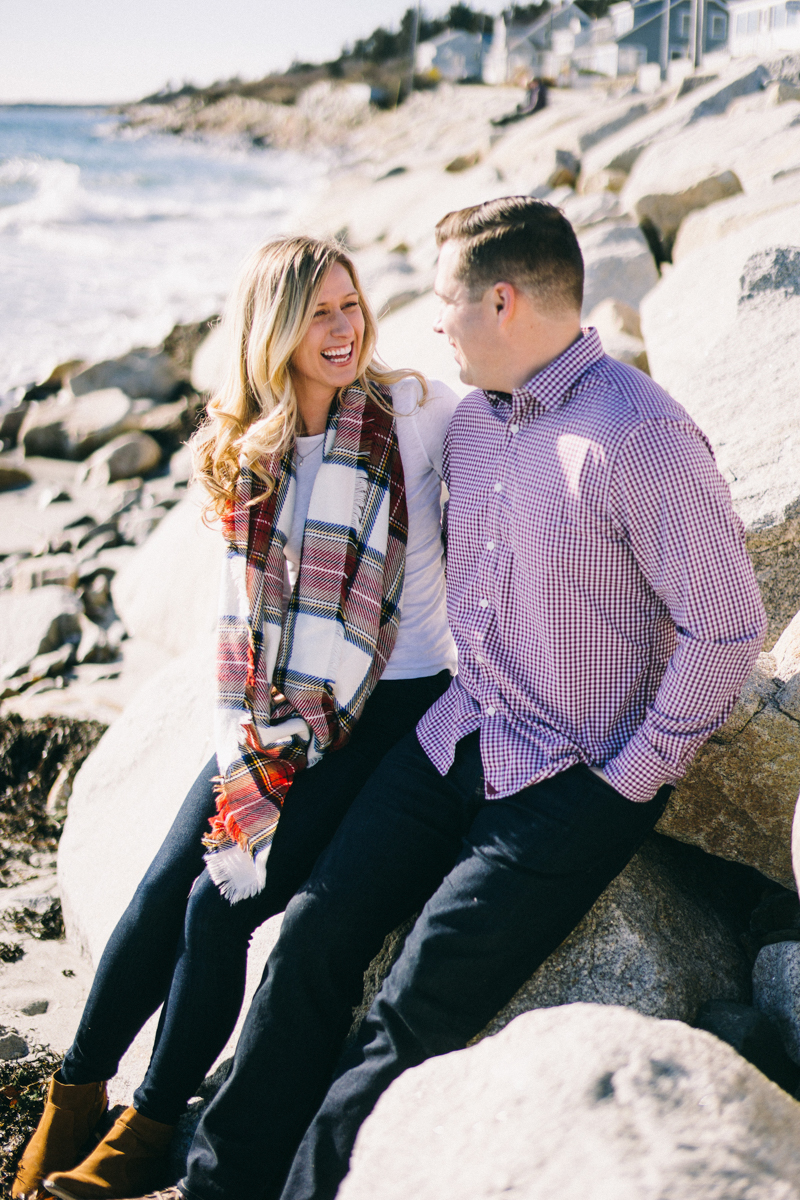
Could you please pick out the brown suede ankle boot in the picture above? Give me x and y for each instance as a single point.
(130, 1161)
(71, 1113)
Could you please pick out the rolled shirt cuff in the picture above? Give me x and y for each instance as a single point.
(637, 774)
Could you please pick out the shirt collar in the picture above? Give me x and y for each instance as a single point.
(549, 387)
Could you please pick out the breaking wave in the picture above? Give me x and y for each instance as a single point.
(107, 241)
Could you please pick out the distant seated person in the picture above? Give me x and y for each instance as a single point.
(535, 99)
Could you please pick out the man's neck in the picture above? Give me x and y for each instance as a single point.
(550, 344)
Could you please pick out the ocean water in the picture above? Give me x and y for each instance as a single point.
(108, 239)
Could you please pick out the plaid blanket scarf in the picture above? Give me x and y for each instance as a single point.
(329, 650)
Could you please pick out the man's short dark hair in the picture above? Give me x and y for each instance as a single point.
(521, 241)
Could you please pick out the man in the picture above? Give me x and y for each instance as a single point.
(606, 617)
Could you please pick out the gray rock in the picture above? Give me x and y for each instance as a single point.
(170, 422)
(729, 354)
(36, 1008)
(13, 1046)
(209, 361)
(35, 623)
(125, 457)
(70, 427)
(776, 991)
(624, 951)
(754, 1036)
(620, 332)
(581, 1102)
(11, 422)
(167, 591)
(180, 465)
(565, 170)
(12, 477)
(661, 214)
(45, 570)
(127, 793)
(737, 799)
(635, 112)
(700, 162)
(711, 106)
(618, 264)
(707, 225)
(622, 149)
(776, 269)
(143, 372)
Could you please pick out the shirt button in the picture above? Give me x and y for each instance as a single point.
(498, 487)
(490, 711)
(514, 428)
(483, 603)
(490, 545)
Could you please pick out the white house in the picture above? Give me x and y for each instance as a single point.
(544, 47)
(762, 28)
(453, 55)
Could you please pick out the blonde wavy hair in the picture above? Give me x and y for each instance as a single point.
(254, 413)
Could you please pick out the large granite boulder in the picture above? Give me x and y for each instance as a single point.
(622, 148)
(126, 794)
(618, 264)
(722, 331)
(406, 338)
(168, 589)
(776, 991)
(35, 623)
(124, 457)
(583, 1103)
(142, 372)
(620, 332)
(72, 427)
(124, 799)
(737, 799)
(706, 161)
(627, 950)
(660, 214)
(724, 217)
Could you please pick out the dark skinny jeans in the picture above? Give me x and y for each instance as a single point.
(180, 943)
(503, 881)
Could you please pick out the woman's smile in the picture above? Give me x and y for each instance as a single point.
(340, 356)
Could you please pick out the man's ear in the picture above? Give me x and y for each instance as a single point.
(504, 301)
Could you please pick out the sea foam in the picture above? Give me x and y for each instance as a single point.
(108, 241)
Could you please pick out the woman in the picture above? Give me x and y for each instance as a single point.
(325, 469)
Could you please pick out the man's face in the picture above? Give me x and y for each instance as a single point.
(470, 326)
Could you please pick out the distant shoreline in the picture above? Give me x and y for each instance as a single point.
(71, 107)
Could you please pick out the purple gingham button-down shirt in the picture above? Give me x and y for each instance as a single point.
(598, 587)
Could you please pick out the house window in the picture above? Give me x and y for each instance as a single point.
(753, 21)
(718, 27)
(686, 22)
(741, 23)
(792, 12)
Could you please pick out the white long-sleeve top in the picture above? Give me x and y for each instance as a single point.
(424, 644)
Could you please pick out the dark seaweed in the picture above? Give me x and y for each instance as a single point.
(23, 1087)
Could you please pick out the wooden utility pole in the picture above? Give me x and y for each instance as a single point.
(413, 63)
(664, 47)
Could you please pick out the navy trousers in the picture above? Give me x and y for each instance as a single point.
(502, 882)
(182, 944)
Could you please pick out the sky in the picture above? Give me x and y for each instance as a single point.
(104, 51)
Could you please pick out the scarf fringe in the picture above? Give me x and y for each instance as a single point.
(236, 874)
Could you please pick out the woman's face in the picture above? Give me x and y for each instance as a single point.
(327, 357)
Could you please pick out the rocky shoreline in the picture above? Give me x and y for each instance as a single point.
(686, 207)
